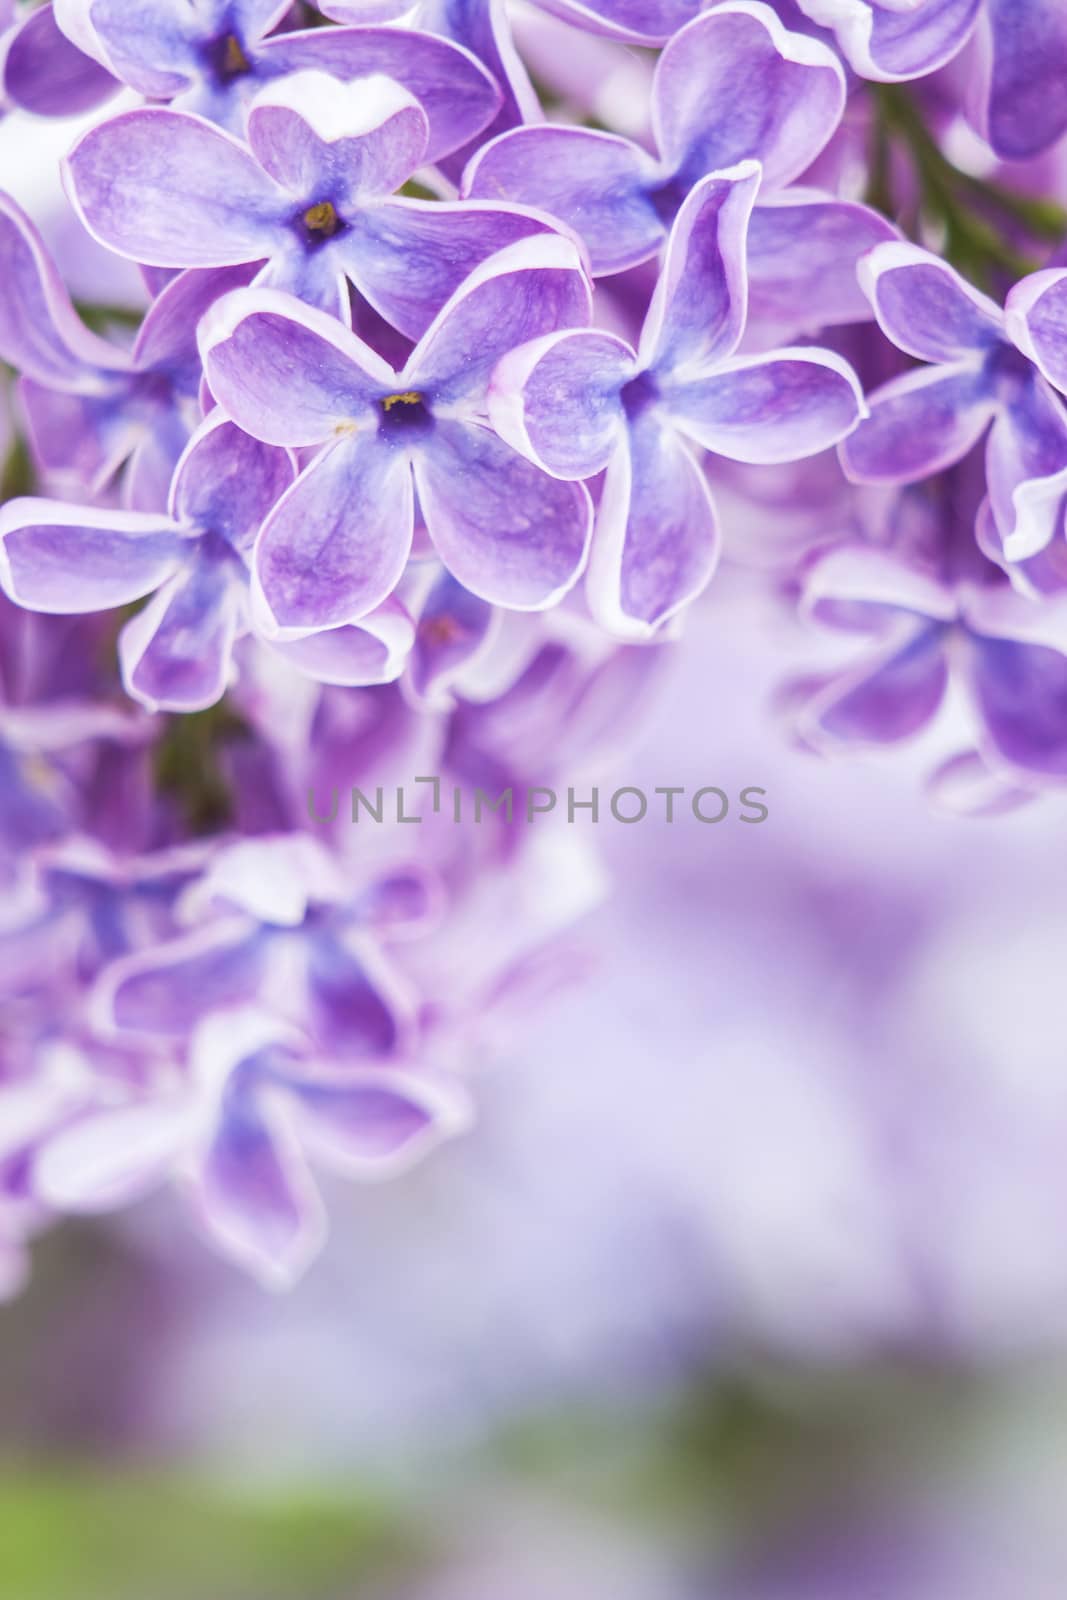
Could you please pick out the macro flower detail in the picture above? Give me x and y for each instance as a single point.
(337, 543)
(581, 402)
(312, 198)
(980, 378)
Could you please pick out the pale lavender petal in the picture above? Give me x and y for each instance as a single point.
(485, 30)
(314, 277)
(1021, 692)
(322, 139)
(254, 19)
(1025, 460)
(777, 407)
(453, 626)
(112, 1158)
(508, 532)
(897, 41)
(171, 190)
(454, 89)
(370, 1123)
(374, 650)
(81, 440)
(45, 73)
(163, 991)
(698, 310)
(175, 654)
(40, 332)
(337, 542)
(919, 424)
(803, 251)
(656, 544)
(287, 373)
(532, 288)
(893, 697)
(255, 1196)
(226, 482)
(598, 184)
(1036, 316)
(150, 44)
(925, 307)
(736, 85)
(1027, 107)
(353, 1011)
(558, 400)
(68, 559)
(407, 257)
(166, 339)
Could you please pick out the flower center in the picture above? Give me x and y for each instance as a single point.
(638, 394)
(227, 59)
(322, 219)
(404, 413)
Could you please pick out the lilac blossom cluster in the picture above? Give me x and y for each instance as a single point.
(446, 394)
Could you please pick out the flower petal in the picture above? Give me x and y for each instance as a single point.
(40, 332)
(288, 373)
(533, 287)
(162, 991)
(657, 540)
(803, 251)
(557, 400)
(336, 544)
(1027, 95)
(895, 42)
(374, 650)
(175, 653)
(317, 136)
(777, 407)
(698, 310)
(1036, 316)
(919, 424)
(598, 184)
(506, 530)
(69, 559)
(1021, 693)
(45, 73)
(171, 190)
(227, 481)
(457, 93)
(925, 307)
(372, 1124)
(736, 85)
(407, 257)
(1025, 462)
(892, 697)
(111, 1158)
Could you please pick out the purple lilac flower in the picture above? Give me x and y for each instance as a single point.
(986, 372)
(238, 1127)
(1018, 59)
(212, 59)
(803, 245)
(312, 198)
(337, 543)
(1009, 655)
(578, 402)
(93, 407)
(175, 654)
(631, 21)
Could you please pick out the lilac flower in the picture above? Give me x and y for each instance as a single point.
(982, 376)
(1008, 654)
(580, 402)
(237, 1128)
(211, 59)
(93, 407)
(313, 199)
(732, 85)
(273, 920)
(1018, 68)
(176, 653)
(337, 543)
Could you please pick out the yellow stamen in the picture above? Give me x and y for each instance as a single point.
(321, 218)
(234, 60)
(410, 397)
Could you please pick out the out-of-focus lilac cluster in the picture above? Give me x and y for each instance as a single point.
(468, 342)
